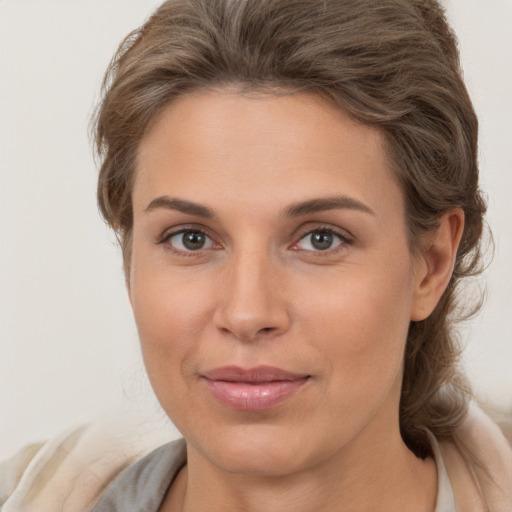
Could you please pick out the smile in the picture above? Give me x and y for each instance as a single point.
(255, 389)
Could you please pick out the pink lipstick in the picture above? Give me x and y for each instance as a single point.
(253, 389)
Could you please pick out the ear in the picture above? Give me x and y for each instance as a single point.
(129, 290)
(127, 250)
(128, 282)
(435, 264)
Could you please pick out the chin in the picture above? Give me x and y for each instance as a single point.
(262, 450)
(268, 462)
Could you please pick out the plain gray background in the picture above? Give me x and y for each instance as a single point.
(68, 344)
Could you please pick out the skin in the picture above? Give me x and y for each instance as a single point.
(260, 293)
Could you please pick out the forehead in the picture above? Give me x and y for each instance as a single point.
(285, 145)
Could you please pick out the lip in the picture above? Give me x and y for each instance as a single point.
(253, 389)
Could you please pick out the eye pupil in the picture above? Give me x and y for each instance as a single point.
(321, 240)
(193, 240)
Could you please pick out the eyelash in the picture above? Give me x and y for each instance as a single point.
(166, 237)
(344, 239)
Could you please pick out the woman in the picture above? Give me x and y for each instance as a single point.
(295, 189)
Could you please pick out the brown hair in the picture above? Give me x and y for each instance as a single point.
(392, 64)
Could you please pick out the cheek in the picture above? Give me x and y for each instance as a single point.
(170, 324)
(361, 324)
(171, 312)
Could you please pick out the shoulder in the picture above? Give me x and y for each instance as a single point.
(12, 470)
(72, 470)
(479, 464)
(143, 485)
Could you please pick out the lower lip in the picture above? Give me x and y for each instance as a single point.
(254, 396)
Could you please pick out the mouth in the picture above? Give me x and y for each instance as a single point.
(253, 389)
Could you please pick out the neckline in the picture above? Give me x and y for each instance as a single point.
(140, 487)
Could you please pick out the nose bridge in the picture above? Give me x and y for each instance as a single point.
(252, 304)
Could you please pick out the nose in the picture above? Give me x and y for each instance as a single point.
(252, 303)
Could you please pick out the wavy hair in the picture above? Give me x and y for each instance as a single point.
(391, 64)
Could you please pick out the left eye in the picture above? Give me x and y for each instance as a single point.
(190, 240)
(320, 240)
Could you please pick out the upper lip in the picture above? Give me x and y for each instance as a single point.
(257, 374)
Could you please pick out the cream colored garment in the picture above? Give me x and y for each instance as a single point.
(487, 488)
(69, 473)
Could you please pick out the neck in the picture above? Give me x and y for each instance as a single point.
(365, 477)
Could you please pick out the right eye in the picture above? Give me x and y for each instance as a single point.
(189, 240)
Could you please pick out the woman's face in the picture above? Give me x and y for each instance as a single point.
(271, 280)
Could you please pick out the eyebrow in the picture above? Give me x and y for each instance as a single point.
(295, 210)
(181, 205)
(327, 203)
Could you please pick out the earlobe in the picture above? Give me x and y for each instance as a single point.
(436, 264)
